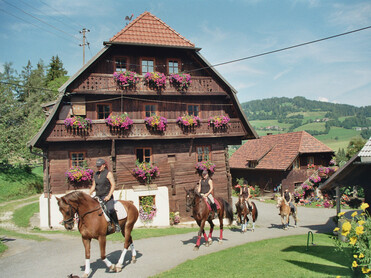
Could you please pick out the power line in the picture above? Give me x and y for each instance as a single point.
(42, 21)
(25, 86)
(6, 12)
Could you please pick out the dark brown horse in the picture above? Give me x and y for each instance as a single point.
(243, 211)
(92, 224)
(201, 213)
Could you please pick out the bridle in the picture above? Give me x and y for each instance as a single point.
(193, 203)
(73, 211)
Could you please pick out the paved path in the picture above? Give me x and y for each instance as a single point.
(65, 255)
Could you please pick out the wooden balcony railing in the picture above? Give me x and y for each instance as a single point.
(101, 131)
(99, 83)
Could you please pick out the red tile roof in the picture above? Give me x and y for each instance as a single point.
(148, 29)
(276, 152)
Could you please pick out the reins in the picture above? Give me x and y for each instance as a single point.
(73, 211)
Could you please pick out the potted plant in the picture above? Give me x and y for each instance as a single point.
(121, 121)
(77, 122)
(127, 79)
(174, 218)
(155, 80)
(219, 121)
(147, 208)
(145, 172)
(156, 122)
(188, 121)
(79, 176)
(205, 165)
(180, 81)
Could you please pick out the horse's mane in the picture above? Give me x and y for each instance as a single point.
(75, 196)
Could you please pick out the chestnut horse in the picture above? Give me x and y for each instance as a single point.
(93, 224)
(243, 211)
(285, 212)
(201, 213)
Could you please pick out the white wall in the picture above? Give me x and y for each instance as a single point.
(162, 204)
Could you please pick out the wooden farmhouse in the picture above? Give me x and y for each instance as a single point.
(282, 159)
(146, 45)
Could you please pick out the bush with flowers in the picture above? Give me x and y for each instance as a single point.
(156, 122)
(78, 174)
(205, 165)
(219, 121)
(77, 122)
(122, 121)
(311, 166)
(174, 218)
(188, 121)
(126, 79)
(357, 232)
(315, 178)
(145, 171)
(147, 208)
(181, 81)
(155, 80)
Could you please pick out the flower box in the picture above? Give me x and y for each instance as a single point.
(219, 121)
(77, 122)
(156, 122)
(155, 80)
(145, 172)
(205, 165)
(188, 121)
(126, 79)
(78, 174)
(121, 121)
(180, 81)
(147, 208)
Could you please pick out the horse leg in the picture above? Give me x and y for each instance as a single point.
(126, 232)
(199, 235)
(102, 246)
(210, 238)
(221, 214)
(86, 242)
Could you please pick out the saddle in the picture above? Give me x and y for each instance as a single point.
(209, 205)
(119, 208)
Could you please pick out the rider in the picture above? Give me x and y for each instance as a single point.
(245, 192)
(104, 185)
(288, 197)
(205, 187)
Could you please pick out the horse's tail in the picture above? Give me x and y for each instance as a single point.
(228, 211)
(256, 209)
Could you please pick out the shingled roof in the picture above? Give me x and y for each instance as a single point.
(277, 152)
(148, 29)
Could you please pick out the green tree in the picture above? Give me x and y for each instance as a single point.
(55, 70)
(354, 146)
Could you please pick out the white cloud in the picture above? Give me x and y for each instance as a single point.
(323, 99)
(351, 15)
(280, 74)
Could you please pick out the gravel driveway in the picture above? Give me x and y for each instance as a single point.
(64, 255)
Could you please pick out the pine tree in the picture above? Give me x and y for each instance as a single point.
(55, 70)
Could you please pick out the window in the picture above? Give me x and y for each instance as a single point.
(144, 154)
(77, 159)
(103, 111)
(252, 164)
(173, 67)
(120, 64)
(193, 110)
(147, 66)
(296, 164)
(310, 160)
(150, 110)
(203, 153)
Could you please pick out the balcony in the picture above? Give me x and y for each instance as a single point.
(139, 131)
(105, 84)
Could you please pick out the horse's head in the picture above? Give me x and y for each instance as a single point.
(280, 202)
(190, 198)
(240, 202)
(68, 211)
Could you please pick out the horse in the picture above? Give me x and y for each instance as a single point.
(202, 213)
(243, 211)
(285, 212)
(93, 224)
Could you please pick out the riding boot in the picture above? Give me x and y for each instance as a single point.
(250, 208)
(215, 209)
(115, 221)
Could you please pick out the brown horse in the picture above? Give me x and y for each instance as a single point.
(285, 212)
(243, 211)
(93, 224)
(201, 213)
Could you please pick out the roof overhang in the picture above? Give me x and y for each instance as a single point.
(108, 43)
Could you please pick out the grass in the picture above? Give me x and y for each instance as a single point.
(21, 216)
(338, 137)
(11, 206)
(12, 234)
(279, 257)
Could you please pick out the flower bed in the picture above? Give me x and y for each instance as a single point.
(145, 172)
(156, 122)
(219, 121)
(155, 80)
(188, 121)
(126, 79)
(180, 81)
(77, 123)
(205, 165)
(79, 174)
(122, 121)
(147, 208)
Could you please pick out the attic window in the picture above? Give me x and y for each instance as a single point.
(173, 66)
(120, 64)
(252, 164)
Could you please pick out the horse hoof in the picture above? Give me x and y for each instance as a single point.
(86, 275)
(133, 259)
(112, 268)
(220, 242)
(118, 268)
(207, 244)
(196, 248)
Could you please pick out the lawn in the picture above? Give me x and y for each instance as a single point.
(21, 216)
(279, 257)
(338, 137)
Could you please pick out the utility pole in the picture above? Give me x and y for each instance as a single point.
(83, 31)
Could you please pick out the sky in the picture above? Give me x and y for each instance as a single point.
(337, 70)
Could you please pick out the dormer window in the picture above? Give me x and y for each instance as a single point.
(252, 164)
(120, 64)
(148, 65)
(173, 66)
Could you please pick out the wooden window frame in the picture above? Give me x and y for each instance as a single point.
(118, 58)
(203, 152)
(199, 111)
(76, 152)
(144, 156)
(173, 60)
(310, 160)
(149, 103)
(147, 59)
(296, 163)
(104, 103)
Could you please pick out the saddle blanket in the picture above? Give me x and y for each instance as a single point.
(120, 211)
(208, 205)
